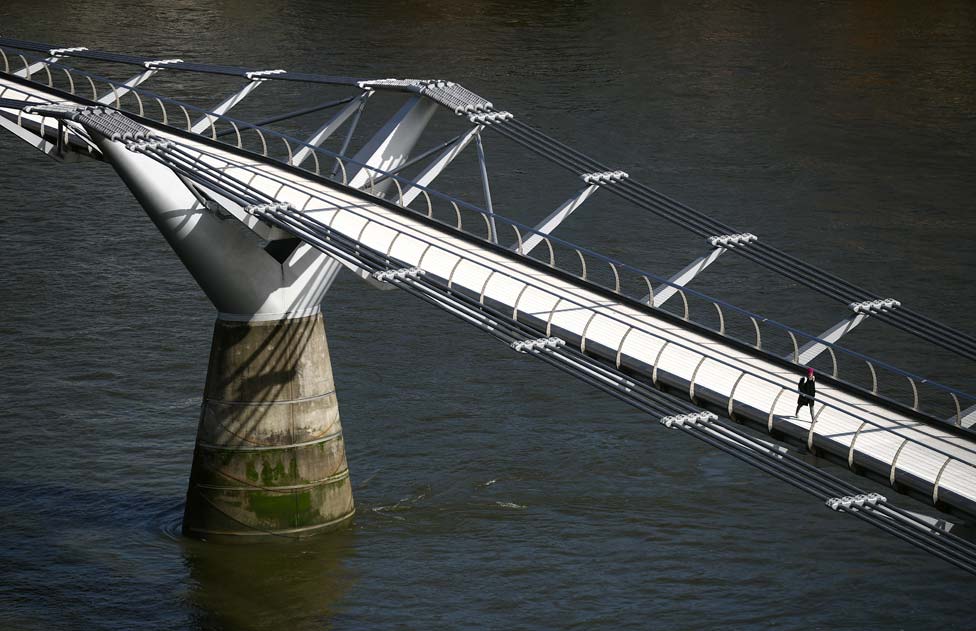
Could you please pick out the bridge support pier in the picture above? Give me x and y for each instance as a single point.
(269, 461)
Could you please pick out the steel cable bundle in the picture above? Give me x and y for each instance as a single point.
(760, 252)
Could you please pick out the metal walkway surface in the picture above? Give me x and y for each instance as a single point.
(382, 227)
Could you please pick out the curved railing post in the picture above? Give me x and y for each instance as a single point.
(283, 139)
(955, 400)
(616, 277)
(914, 393)
(796, 348)
(552, 253)
(721, 318)
(874, 377)
(71, 81)
(189, 125)
(487, 226)
(396, 182)
(755, 324)
(315, 161)
(582, 263)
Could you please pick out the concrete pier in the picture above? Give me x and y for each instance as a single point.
(269, 461)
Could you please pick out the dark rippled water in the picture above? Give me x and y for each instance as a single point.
(493, 493)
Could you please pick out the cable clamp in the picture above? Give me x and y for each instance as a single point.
(604, 177)
(855, 502)
(454, 96)
(692, 419)
(143, 146)
(388, 276)
(874, 306)
(260, 75)
(390, 83)
(104, 120)
(53, 110)
(155, 63)
(60, 52)
(260, 209)
(490, 118)
(542, 343)
(732, 240)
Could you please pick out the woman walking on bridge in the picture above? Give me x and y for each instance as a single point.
(808, 390)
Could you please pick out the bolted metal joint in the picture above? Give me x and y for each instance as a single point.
(604, 177)
(855, 502)
(732, 240)
(388, 276)
(874, 306)
(542, 343)
(691, 420)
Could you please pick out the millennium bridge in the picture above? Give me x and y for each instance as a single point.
(264, 221)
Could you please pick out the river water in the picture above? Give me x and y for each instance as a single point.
(493, 492)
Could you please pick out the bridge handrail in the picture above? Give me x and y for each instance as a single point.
(756, 318)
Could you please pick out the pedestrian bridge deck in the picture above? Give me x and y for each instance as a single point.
(864, 431)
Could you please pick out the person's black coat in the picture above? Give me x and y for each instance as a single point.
(808, 390)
